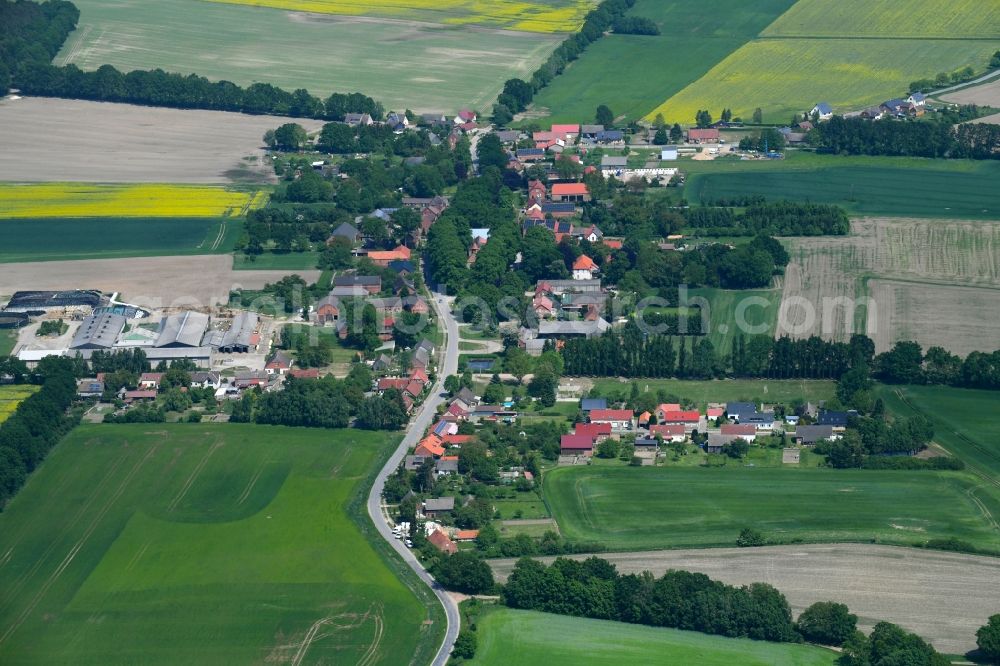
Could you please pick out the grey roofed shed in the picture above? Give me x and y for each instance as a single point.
(98, 331)
(439, 504)
(239, 335)
(183, 329)
(810, 434)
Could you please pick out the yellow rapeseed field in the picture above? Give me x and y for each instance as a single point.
(142, 200)
(785, 76)
(889, 18)
(525, 15)
(11, 397)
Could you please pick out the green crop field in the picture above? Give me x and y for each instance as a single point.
(633, 74)
(404, 64)
(727, 390)
(913, 188)
(964, 421)
(559, 640)
(290, 261)
(56, 239)
(202, 545)
(914, 18)
(628, 508)
(783, 76)
(751, 311)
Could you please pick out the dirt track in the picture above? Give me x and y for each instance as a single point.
(943, 597)
(188, 281)
(52, 140)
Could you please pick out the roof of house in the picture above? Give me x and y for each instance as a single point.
(346, 230)
(452, 440)
(823, 108)
(386, 383)
(151, 377)
(830, 417)
(564, 189)
(576, 442)
(449, 464)
(610, 415)
(419, 374)
(738, 429)
(565, 129)
(667, 430)
(441, 541)
(689, 416)
(358, 280)
(466, 535)
(558, 207)
(589, 328)
(588, 404)
(592, 429)
(718, 439)
(645, 441)
(304, 373)
(735, 408)
(439, 504)
(715, 412)
(140, 395)
(707, 133)
(669, 407)
(183, 329)
(281, 360)
(584, 263)
(401, 252)
(813, 433)
(614, 161)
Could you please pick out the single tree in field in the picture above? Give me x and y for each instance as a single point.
(758, 116)
(988, 636)
(604, 116)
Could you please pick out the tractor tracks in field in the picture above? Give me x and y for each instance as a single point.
(192, 477)
(81, 542)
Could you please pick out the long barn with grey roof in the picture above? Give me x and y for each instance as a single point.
(98, 331)
(184, 329)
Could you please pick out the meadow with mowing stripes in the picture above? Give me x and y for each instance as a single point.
(784, 76)
(530, 16)
(12, 396)
(560, 640)
(629, 508)
(180, 543)
(913, 18)
(58, 239)
(632, 74)
(35, 200)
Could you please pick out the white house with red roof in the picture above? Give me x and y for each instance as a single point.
(576, 445)
(669, 433)
(620, 419)
(584, 268)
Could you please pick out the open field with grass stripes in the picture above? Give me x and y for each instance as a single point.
(783, 76)
(675, 507)
(33, 200)
(203, 545)
(12, 396)
(913, 18)
(530, 16)
(559, 640)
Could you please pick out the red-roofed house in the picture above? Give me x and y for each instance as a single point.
(584, 268)
(568, 132)
(465, 116)
(747, 431)
(708, 135)
(715, 412)
(387, 383)
(619, 419)
(458, 440)
(689, 419)
(669, 433)
(385, 257)
(644, 418)
(466, 535)
(304, 373)
(543, 306)
(414, 387)
(613, 243)
(596, 431)
(133, 396)
(572, 192)
(429, 446)
(576, 445)
(420, 375)
(441, 541)
(665, 408)
(150, 380)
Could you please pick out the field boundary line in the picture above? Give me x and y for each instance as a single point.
(79, 544)
(191, 478)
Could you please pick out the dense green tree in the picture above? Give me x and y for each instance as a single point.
(604, 116)
(827, 623)
(490, 152)
(988, 635)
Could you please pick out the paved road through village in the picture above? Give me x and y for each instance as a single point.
(419, 423)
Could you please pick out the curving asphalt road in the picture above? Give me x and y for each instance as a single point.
(418, 424)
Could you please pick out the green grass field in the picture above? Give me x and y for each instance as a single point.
(8, 338)
(752, 311)
(202, 545)
(964, 420)
(420, 66)
(508, 637)
(633, 74)
(56, 239)
(916, 188)
(628, 508)
(291, 261)
(726, 390)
